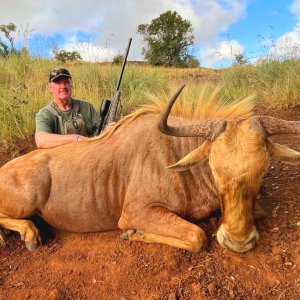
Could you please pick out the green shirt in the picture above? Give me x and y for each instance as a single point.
(45, 121)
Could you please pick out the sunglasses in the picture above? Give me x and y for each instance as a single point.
(55, 73)
(59, 72)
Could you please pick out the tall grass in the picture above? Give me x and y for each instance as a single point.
(275, 83)
(98, 81)
(24, 80)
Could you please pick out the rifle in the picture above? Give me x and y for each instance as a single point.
(108, 108)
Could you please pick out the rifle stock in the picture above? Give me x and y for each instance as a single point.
(103, 113)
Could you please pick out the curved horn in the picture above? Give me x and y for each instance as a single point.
(208, 129)
(163, 121)
(273, 126)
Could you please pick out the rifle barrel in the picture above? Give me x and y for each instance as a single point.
(123, 65)
(110, 117)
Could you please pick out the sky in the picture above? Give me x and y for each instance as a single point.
(100, 29)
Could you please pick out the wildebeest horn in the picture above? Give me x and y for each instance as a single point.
(273, 126)
(208, 128)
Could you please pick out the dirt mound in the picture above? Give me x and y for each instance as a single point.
(102, 266)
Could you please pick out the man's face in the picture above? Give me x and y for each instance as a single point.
(61, 88)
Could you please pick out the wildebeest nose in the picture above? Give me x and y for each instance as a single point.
(239, 246)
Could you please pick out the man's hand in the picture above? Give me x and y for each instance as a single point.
(78, 138)
(46, 140)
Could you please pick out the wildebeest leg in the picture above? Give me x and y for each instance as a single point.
(29, 233)
(261, 217)
(259, 212)
(159, 225)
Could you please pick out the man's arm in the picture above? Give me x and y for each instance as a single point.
(45, 136)
(45, 128)
(46, 140)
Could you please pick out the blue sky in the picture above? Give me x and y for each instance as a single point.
(99, 29)
(263, 20)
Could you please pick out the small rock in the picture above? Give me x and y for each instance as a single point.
(207, 263)
(94, 280)
(288, 264)
(196, 288)
(211, 288)
(54, 295)
(18, 284)
(298, 224)
(231, 293)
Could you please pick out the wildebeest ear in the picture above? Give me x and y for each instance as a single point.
(283, 153)
(193, 158)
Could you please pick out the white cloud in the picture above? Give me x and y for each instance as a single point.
(113, 22)
(287, 46)
(295, 7)
(220, 51)
(89, 51)
(212, 17)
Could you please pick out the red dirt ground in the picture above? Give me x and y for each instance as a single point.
(102, 266)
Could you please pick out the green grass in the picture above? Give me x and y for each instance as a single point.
(24, 81)
(23, 86)
(275, 83)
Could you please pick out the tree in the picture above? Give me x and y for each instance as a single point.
(64, 55)
(192, 62)
(118, 59)
(240, 59)
(168, 39)
(6, 49)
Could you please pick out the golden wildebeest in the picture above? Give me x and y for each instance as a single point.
(120, 179)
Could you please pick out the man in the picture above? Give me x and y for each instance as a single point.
(65, 119)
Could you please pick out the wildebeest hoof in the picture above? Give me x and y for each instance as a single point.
(2, 239)
(126, 234)
(139, 232)
(31, 246)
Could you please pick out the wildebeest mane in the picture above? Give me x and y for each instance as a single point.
(206, 107)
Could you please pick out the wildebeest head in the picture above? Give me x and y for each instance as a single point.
(238, 152)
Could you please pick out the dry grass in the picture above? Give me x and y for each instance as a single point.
(23, 87)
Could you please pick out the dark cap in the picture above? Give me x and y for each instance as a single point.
(57, 73)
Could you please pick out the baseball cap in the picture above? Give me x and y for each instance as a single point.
(59, 72)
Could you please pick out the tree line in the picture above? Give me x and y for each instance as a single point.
(168, 41)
